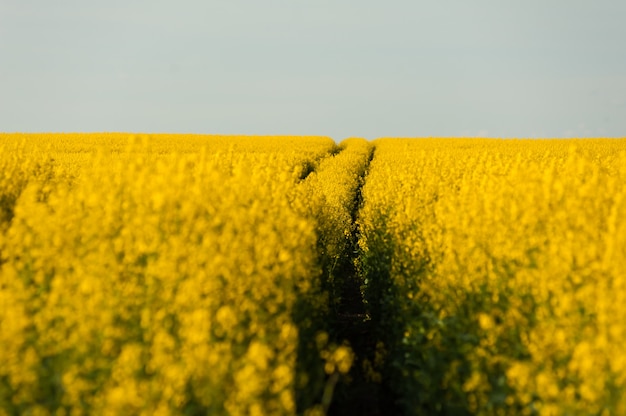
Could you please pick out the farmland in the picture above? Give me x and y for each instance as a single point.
(190, 274)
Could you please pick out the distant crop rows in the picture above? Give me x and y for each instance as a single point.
(189, 274)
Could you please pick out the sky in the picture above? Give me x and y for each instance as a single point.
(410, 68)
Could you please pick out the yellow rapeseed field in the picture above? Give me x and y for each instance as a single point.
(163, 274)
(191, 274)
(496, 274)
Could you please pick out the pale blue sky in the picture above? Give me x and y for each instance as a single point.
(551, 68)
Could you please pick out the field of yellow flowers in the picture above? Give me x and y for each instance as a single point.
(170, 274)
(495, 274)
(191, 274)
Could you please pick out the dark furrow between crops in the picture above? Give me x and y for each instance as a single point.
(310, 165)
(359, 395)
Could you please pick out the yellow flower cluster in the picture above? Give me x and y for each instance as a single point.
(159, 275)
(496, 273)
(16, 171)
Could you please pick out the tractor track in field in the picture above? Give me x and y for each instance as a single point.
(360, 395)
